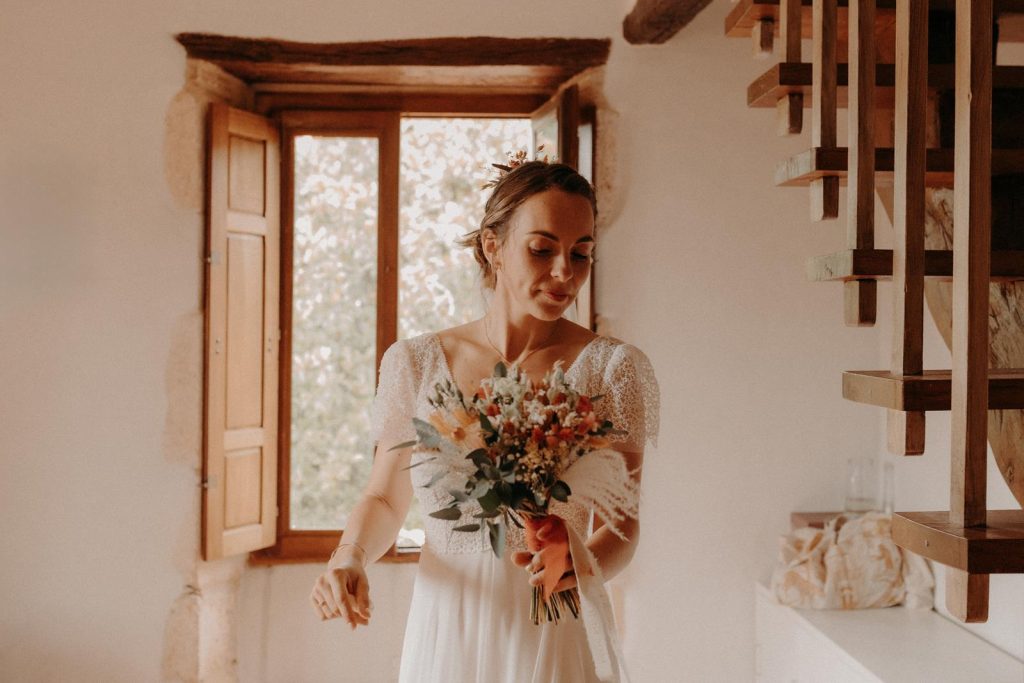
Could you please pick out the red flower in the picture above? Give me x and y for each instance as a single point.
(584, 405)
(538, 434)
(565, 434)
(492, 410)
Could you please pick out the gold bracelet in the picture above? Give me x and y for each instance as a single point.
(342, 545)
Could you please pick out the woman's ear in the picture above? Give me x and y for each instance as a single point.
(489, 240)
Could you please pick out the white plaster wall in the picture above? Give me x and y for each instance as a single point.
(101, 326)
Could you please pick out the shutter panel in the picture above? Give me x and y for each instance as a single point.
(242, 333)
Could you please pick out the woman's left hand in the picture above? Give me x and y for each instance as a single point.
(534, 565)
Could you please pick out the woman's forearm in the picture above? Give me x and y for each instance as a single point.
(611, 552)
(373, 524)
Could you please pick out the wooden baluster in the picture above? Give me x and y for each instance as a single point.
(790, 109)
(906, 429)
(967, 594)
(763, 36)
(860, 296)
(824, 191)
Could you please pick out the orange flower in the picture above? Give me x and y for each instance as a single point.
(598, 442)
(585, 425)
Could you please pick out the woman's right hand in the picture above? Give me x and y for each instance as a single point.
(343, 590)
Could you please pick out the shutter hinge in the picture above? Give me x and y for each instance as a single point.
(213, 258)
(207, 482)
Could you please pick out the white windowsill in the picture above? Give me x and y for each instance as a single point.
(891, 644)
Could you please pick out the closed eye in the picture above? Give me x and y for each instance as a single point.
(547, 252)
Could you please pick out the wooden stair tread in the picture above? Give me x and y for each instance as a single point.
(741, 19)
(819, 162)
(876, 264)
(997, 548)
(786, 78)
(929, 391)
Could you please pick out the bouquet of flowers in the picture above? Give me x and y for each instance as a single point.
(512, 448)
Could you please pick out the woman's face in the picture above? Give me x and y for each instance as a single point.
(546, 257)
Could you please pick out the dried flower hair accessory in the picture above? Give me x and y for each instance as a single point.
(515, 158)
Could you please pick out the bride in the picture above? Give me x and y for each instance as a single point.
(469, 617)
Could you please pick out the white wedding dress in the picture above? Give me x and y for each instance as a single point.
(469, 620)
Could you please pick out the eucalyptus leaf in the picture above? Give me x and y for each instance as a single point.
(467, 527)
(421, 462)
(404, 444)
(490, 500)
(500, 370)
(437, 476)
(427, 432)
(496, 532)
(491, 514)
(486, 423)
(450, 514)
(560, 491)
(479, 457)
(458, 495)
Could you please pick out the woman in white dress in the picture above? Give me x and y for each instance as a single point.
(469, 619)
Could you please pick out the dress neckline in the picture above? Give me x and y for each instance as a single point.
(451, 376)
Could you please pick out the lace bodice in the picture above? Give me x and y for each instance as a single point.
(608, 366)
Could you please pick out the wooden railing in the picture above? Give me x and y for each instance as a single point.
(905, 91)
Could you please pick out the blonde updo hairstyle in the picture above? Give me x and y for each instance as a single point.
(510, 191)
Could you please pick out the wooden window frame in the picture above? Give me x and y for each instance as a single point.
(290, 82)
(321, 116)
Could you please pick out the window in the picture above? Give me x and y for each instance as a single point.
(442, 163)
(331, 216)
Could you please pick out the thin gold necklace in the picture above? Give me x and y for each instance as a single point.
(520, 362)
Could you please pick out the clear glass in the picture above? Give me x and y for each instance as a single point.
(861, 485)
(334, 322)
(444, 161)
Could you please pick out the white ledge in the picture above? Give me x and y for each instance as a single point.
(890, 644)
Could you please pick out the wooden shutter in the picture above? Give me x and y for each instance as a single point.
(556, 125)
(568, 132)
(240, 378)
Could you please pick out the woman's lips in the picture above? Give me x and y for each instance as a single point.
(562, 298)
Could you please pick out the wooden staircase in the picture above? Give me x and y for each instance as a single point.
(927, 109)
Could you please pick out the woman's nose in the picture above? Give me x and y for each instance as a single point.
(562, 268)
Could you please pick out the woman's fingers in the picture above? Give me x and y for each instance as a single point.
(567, 582)
(319, 605)
(521, 558)
(343, 593)
(363, 601)
(336, 581)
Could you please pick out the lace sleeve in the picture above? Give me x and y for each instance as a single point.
(634, 398)
(395, 400)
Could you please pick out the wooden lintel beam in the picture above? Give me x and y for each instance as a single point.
(655, 21)
(577, 53)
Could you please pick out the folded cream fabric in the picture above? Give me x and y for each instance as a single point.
(852, 563)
